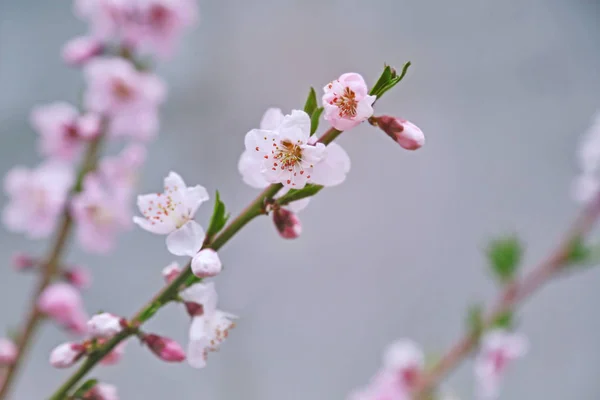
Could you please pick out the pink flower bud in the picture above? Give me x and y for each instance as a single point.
(66, 354)
(171, 271)
(206, 263)
(104, 325)
(166, 349)
(62, 302)
(404, 132)
(8, 351)
(115, 355)
(79, 50)
(78, 277)
(287, 223)
(22, 261)
(102, 391)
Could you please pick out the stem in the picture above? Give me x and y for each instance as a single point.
(170, 291)
(511, 297)
(49, 270)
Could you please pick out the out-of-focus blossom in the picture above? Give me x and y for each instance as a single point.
(23, 261)
(115, 355)
(209, 327)
(100, 215)
(206, 263)
(37, 196)
(171, 271)
(172, 213)
(166, 349)
(121, 172)
(288, 155)
(347, 101)
(8, 351)
(80, 50)
(62, 302)
(79, 277)
(66, 354)
(104, 325)
(129, 97)
(587, 184)
(498, 349)
(404, 132)
(102, 391)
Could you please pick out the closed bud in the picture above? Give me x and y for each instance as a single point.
(78, 277)
(23, 261)
(102, 391)
(8, 351)
(66, 354)
(166, 349)
(404, 132)
(171, 272)
(287, 223)
(104, 325)
(206, 263)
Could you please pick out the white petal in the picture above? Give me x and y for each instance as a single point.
(174, 181)
(271, 120)
(206, 263)
(250, 168)
(202, 293)
(187, 240)
(298, 205)
(194, 197)
(198, 343)
(402, 354)
(333, 168)
(296, 126)
(364, 109)
(259, 142)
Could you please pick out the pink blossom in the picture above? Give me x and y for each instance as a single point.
(171, 272)
(121, 172)
(100, 215)
(8, 351)
(79, 277)
(106, 17)
(347, 102)
(288, 155)
(383, 386)
(62, 302)
(404, 132)
(210, 326)
(498, 349)
(66, 354)
(115, 355)
(166, 349)
(80, 50)
(104, 325)
(102, 391)
(586, 186)
(129, 97)
(23, 261)
(172, 213)
(206, 263)
(37, 197)
(287, 223)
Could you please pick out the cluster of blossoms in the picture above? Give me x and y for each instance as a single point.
(404, 366)
(120, 103)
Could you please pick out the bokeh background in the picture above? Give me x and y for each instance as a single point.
(502, 90)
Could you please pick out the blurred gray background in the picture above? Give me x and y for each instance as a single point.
(502, 90)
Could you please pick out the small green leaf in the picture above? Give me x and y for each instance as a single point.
(311, 102)
(388, 80)
(314, 120)
(579, 252)
(218, 219)
(475, 319)
(384, 79)
(297, 194)
(504, 255)
(504, 320)
(83, 389)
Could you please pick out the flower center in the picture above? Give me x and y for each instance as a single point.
(121, 89)
(346, 103)
(288, 154)
(70, 131)
(167, 205)
(158, 16)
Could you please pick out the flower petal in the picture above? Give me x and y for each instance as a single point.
(250, 168)
(187, 240)
(194, 196)
(295, 126)
(271, 119)
(333, 168)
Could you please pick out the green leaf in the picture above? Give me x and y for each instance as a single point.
(388, 80)
(504, 255)
(86, 387)
(384, 79)
(475, 319)
(297, 194)
(579, 252)
(311, 102)
(218, 219)
(314, 120)
(505, 320)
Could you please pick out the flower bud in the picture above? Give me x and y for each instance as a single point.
(287, 223)
(79, 50)
(102, 391)
(171, 271)
(8, 351)
(104, 325)
(22, 261)
(404, 132)
(166, 349)
(78, 277)
(66, 354)
(206, 263)
(62, 302)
